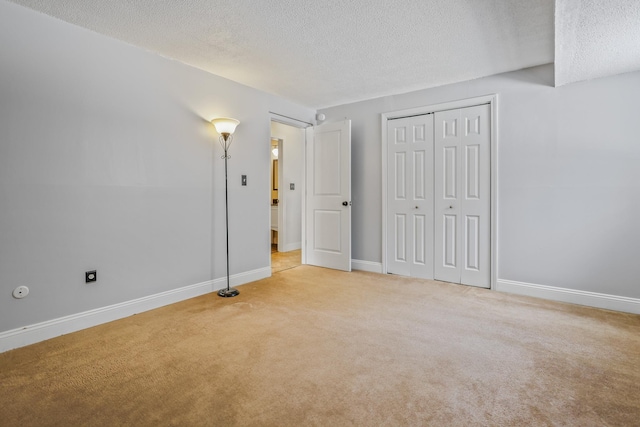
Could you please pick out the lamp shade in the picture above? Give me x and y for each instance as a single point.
(225, 125)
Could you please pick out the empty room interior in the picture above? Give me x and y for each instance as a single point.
(415, 212)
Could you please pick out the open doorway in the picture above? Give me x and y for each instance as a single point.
(286, 195)
(274, 172)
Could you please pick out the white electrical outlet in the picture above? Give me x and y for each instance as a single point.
(20, 292)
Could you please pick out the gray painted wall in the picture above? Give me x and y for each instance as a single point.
(108, 162)
(569, 180)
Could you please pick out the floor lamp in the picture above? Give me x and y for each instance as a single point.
(225, 127)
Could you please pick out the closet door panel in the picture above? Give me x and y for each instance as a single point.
(447, 196)
(410, 196)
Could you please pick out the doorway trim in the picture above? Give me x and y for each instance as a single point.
(300, 124)
(492, 100)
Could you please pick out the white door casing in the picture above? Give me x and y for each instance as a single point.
(410, 196)
(328, 195)
(462, 196)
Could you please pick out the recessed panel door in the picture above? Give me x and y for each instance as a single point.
(328, 198)
(410, 196)
(476, 200)
(447, 196)
(462, 196)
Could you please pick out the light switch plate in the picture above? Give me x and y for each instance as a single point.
(292, 186)
(90, 276)
(244, 179)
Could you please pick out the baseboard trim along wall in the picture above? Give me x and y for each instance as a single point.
(32, 334)
(373, 267)
(290, 247)
(591, 299)
(242, 278)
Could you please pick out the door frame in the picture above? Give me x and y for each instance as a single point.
(492, 100)
(300, 124)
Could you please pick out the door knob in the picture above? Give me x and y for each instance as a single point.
(345, 203)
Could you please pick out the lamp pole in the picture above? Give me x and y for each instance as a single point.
(229, 292)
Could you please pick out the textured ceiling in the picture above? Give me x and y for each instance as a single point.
(321, 54)
(596, 38)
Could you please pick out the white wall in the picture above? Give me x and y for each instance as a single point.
(108, 162)
(569, 181)
(291, 159)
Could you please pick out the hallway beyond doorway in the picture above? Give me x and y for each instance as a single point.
(284, 260)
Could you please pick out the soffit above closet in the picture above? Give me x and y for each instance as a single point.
(322, 54)
(596, 38)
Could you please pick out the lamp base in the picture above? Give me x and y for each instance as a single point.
(227, 293)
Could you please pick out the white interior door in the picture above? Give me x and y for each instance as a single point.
(462, 196)
(410, 196)
(328, 195)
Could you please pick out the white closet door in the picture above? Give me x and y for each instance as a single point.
(462, 196)
(410, 196)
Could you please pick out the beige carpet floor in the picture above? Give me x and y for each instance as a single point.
(311, 346)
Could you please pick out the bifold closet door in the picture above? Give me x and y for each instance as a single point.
(410, 196)
(462, 196)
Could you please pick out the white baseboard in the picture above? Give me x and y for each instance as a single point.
(32, 334)
(290, 247)
(591, 299)
(373, 267)
(242, 278)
